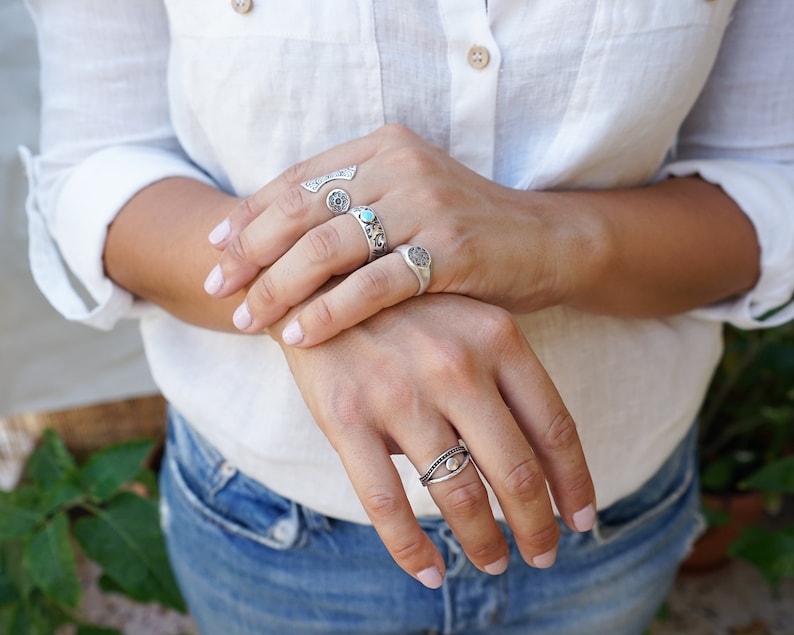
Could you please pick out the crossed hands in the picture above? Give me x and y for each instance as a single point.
(384, 372)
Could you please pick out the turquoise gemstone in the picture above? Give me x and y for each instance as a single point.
(368, 216)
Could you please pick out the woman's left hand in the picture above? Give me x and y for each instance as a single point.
(286, 242)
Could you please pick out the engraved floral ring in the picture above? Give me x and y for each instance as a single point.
(419, 261)
(373, 230)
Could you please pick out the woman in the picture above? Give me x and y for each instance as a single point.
(375, 246)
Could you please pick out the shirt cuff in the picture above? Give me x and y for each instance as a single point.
(765, 192)
(67, 236)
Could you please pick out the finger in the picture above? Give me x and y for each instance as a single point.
(380, 284)
(381, 492)
(508, 463)
(333, 248)
(251, 207)
(462, 499)
(551, 431)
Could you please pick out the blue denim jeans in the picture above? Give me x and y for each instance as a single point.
(252, 562)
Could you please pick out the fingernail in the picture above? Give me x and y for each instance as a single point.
(430, 577)
(292, 333)
(242, 317)
(498, 567)
(214, 282)
(221, 232)
(545, 560)
(585, 518)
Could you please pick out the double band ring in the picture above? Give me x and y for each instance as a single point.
(338, 201)
(419, 261)
(452, 463)
(313, 185)
(373, 230)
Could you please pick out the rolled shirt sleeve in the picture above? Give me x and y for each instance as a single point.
(740, 136)
(106, 134)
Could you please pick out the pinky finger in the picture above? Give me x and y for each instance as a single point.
(380, 284)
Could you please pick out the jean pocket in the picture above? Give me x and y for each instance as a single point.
(672, 490)
(222, 496)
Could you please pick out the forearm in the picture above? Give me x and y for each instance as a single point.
(157, 248)
(652, 251)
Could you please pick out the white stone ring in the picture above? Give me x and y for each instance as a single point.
(373, 230)
(452, 463)
(420, 262)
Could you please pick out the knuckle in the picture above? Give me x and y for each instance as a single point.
(382, 505)
(321, 312)
(263, 291)
(246, 210)
(372, 282)
(395, 133)
(465, 501)
(239, 249)
(296, 173)
(322, 243)
(525, 481)
(292, 203)
(545, 538)
(561, 432)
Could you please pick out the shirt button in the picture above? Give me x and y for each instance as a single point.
(478, 57)
(242, 6)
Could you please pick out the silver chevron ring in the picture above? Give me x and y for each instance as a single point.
(419, 261)
(314, 185)
(373, 230)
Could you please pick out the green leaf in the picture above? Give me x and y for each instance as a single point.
(771, 552)
(125, 539)
(52, 563)
(19, 513)
(777, 477)
(90, 629)
(50, 461)
(106, 471)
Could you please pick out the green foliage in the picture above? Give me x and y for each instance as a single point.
(61, 508)
(747, 437)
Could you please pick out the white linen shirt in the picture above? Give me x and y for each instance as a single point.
(598, 94)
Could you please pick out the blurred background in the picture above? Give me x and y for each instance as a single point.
(47, 365)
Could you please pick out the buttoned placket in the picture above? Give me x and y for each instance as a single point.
(474, 60)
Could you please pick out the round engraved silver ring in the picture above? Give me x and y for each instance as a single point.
(338, 201)
(419, 261)
(451, 463)
(373, 230)
(314, 185)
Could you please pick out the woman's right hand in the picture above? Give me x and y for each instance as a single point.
(416, 378)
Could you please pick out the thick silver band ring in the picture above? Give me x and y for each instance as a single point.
(451, 462)
(313, 185)
(373, 230)
(418, 259)
(338, 201)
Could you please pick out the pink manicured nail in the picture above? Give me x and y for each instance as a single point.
(214, 282)
(242, 317)
(545, 560)
(498, 567)
(221, 232)
(430, 577)
(292, 333)
(585, 518)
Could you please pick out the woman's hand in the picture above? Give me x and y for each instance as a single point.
(416, 378)
(472, 227)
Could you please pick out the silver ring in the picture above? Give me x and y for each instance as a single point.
(373, 230)
(451, 463)
(338, 201)
(419, 260)
(313, 185)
